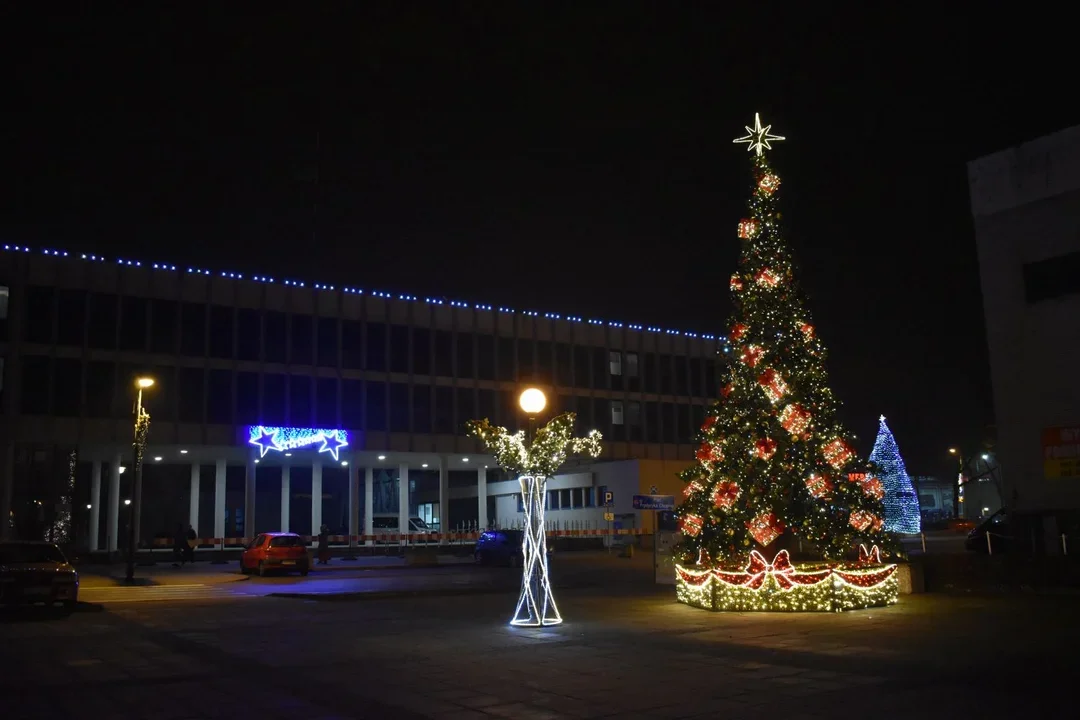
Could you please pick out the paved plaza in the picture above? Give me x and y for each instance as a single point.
(627, 650)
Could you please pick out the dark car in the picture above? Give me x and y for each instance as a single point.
(997, 527)
(36, 572)
(500, 547)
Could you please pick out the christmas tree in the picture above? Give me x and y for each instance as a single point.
(901, 502)
(775, 465)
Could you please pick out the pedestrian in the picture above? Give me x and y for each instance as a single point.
(324, 545)
(180, 546)
(192, 540)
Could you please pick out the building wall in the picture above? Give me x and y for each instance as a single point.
(404, 372)
(1026, 206)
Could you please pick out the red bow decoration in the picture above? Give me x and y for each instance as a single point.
(871, 556)
(781, 569)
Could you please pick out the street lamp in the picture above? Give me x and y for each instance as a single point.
(533, 401)
(142, 428)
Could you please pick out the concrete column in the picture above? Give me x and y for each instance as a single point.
(481, 498)
(444, 499)
(403, 500)
(250, 470)
(193, 496)
(316, 497)
(112, 525)
(219, 498)
(286, 497)
(95, 504)
(7, 487)
(369, 503)
(354, 499)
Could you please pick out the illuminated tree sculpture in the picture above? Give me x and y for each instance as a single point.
(901, 503)
(775, 468)
(534, 461)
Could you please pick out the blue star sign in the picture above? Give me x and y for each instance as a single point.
(282, 439)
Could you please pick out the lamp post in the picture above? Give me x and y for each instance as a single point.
(142, 427)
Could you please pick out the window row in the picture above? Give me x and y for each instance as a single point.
(66, 387)
(107, 322)
(567, 499)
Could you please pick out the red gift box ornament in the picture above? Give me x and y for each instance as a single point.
(727, 389)
(748, 228)
(769, 183)
(725, 494)
(709, 453)
(738, 331)
(819, 486)
(736, 283)
(691, 525)
(837, 453)
(765, 448)
(795, 418)
(862, 519)
(708, 424)
(870, 485)
(767, 278)
(692, 488)
(751, 355)
(807, 330)
(773, 384)
(765, 527)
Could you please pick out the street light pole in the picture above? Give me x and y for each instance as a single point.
(142, 427)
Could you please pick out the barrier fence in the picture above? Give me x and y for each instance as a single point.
(340, 541)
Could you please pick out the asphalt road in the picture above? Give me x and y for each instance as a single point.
(626, 651)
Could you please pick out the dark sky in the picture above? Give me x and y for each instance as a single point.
(572, 157)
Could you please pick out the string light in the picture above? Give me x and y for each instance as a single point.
(782, 586)
(901, 503)
(534, 462)
(282, 439)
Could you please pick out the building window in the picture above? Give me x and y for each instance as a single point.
(466, 408)
(273, 400)
(399, 407)
(352, 404)
(275, 336)
(376, 406)
(444, 353)
(219, 397)
(39, 314)
(221, 332)
(300, 400)
(631, 364)
(615, 362)
(564, 375)
(506, 359)
(247, 398)
(526, 366)
(421, 351)
(248, 334)
(326, 332)
(576, 497)
(71, 317)
(4, 295)
(485, 357)
(588, 497)
(444, 410)
(465, 354)
(421, 409)
(553, 499)
(326, 402)
(100, 382)
(376, 347)
(399, 349)
(352, 344)
(191, 394)
(300, 344)
(35, 385)
(193, 330)
(581, 367)
(616, 412)
(67, 387)
(1052, 278)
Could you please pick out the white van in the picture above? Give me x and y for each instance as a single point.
(387, 524)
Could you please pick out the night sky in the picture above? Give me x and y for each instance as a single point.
(573, 157)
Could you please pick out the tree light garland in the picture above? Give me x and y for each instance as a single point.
(534, 462)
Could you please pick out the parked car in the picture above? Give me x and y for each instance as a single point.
(36, 572)
(997, 525)
(501, 547)
(269, 552)
(387, 524)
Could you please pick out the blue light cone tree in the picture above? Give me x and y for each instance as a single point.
(901, 502)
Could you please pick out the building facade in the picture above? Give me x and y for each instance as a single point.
(392, 376)
(1026, 206)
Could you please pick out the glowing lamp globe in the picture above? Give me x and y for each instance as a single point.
(144, 382)
(533, 401)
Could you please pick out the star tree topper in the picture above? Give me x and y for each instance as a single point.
(758, 137)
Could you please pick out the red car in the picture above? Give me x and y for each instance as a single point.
(276, 551)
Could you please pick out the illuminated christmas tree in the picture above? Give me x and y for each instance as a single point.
(901, 502)
(775, 469)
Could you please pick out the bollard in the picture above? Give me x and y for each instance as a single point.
(1064, 545)
(923, 536)
(989, 547)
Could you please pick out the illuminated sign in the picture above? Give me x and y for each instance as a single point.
(282, 439)
(1061, 452)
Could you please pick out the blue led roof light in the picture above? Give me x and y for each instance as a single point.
(373, 293)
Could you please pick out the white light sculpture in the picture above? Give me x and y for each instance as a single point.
(534, 460)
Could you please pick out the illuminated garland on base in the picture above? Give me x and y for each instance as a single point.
(781, 586)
